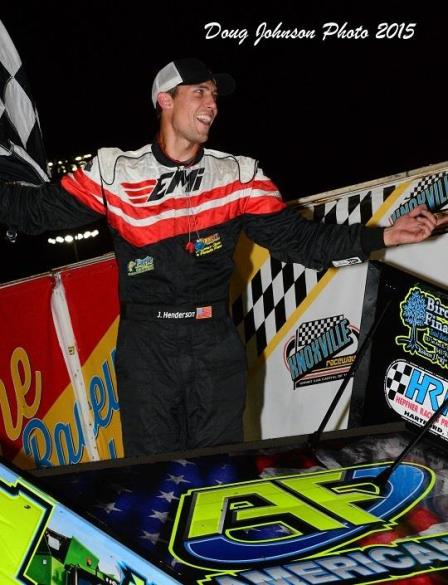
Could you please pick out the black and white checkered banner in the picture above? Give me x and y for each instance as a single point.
(424, 183)
(278, 288)
(311, 330)
(22, 153)
(397, 379)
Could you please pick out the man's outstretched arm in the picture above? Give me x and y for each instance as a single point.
(34, 210)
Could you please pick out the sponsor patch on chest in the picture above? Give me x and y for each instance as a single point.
(140, 265)
(208, 245)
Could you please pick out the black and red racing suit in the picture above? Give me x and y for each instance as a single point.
(180, 363)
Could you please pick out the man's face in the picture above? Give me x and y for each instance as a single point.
(194, 110)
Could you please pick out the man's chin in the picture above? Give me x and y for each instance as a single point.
(203, 138)
(203, 133)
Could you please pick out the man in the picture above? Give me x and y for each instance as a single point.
(176, 210)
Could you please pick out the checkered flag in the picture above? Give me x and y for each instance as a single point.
(22, 153)
(424, 183)
(313, 329)
(397, 379)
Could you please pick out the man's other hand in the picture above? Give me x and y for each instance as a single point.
(415, 226)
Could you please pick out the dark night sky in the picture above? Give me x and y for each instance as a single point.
(318, 114)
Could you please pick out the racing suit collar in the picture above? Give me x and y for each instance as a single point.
(165, 160)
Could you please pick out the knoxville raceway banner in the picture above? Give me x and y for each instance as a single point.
(301, 327)
(58, 400)
(278, 516)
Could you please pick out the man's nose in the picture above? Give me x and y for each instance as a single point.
(211, 103)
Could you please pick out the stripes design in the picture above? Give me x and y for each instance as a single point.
(142, 223)
(277, 289)
(87, 191)
(140, 191)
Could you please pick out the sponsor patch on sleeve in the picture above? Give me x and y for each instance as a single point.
(347, 262)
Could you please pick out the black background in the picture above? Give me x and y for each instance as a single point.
(319, 115)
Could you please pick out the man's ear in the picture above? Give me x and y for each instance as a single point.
(165, 100)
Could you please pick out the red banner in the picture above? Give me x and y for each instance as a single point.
(58, 397)
(32, 370)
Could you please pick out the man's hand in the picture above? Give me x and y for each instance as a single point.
(415, 226)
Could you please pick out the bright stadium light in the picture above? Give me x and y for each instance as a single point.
(72, 238)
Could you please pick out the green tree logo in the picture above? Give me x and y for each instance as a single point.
(413, 314)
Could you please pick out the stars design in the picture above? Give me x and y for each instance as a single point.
(168, 496)
(153, 537)
(177, 479)
(162, 516)
(184, 462)
(108, 508)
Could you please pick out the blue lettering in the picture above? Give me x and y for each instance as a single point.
(112, 450)
(63, 438)
(300, 362)
(423, 384)
(293, 368)
(314, 346)
(36, 432)
(346, 330)
(421, 198)
(435, 388)
(418, 385)
(103, 397)
(430, 198)
(395, 215)
(445, 183)
(308, 354)
(97, 400)
(323, 345)
(442, 195)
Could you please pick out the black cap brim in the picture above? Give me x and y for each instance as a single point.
(193, 71)
(225, 84)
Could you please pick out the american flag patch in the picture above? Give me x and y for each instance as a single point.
(203, 312)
